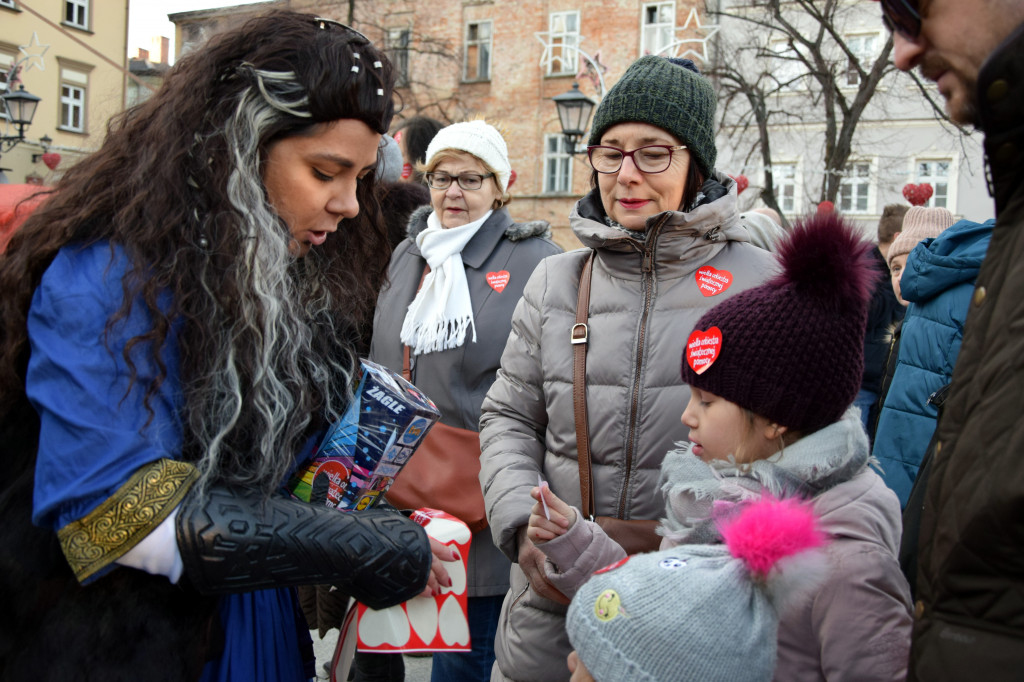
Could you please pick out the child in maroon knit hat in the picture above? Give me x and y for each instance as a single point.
(773, 372)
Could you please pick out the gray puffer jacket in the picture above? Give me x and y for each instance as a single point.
(457, 379)
(645, 301)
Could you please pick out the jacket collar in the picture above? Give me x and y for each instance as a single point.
(1000, 93)
(487, 238)
(677, 238)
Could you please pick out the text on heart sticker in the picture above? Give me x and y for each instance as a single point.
(498, 280)
(703, 348)
(712, 282)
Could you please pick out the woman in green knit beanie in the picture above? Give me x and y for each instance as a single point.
(663, 102)
(663, 232)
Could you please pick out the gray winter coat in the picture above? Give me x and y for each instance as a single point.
(645, 301)
(457, 379)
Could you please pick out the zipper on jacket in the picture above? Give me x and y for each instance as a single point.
(520, 596)
(647, 267)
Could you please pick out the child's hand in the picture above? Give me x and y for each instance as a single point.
(541, 529)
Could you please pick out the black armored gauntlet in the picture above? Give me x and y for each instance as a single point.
(236, 541)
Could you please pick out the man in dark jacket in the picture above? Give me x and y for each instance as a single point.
(970, 608)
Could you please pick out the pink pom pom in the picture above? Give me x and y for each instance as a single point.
(768, 530)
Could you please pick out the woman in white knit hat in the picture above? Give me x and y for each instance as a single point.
(454, 283)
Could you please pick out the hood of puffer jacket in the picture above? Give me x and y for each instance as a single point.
(864, 509)
(679, 235)
(953, 257)
(513, 231)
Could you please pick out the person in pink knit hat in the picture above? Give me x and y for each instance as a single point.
(919, 223)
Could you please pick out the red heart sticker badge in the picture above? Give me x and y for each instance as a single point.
(498, 280)
(703, 348)
(712, 282)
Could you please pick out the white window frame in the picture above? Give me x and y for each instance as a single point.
(785, 176)
(480, 57)
(6, 59)
(860, 176)
(79, 11)
(74, 93)
(399, 40)
(659, 34)
(789, 71)
(564, 52)
(942, 185)
(865, 46)
(557, 164)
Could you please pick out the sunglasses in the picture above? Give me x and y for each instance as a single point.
(902, 16)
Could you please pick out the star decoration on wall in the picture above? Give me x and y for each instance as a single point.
(33, 52)
(589, 69)
(547, 55)
(702, 43)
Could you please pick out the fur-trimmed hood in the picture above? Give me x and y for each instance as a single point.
(513, 231)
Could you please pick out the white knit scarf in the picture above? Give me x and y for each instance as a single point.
(442, 311)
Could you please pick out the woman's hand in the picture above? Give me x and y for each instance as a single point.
(541, 528)
(531, 561)
(578, 670)
(439, 577)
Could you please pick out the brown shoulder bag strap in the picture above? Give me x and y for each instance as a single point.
(579, 339)
(406, 356)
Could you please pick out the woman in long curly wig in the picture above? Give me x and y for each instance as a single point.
(176, 329)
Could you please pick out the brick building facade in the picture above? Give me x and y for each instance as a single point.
(467, 59)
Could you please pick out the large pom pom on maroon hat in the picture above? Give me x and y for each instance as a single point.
(792, 349)
(824, 258)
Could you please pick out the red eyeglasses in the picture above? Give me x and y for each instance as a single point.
(902, 16)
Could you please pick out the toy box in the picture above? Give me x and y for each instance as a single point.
(362, 453)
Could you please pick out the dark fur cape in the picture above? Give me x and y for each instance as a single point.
(126, 625)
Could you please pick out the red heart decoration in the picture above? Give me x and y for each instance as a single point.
(51, 159)
(703, 348)
(917, 195)
(826, 207)
(498, 280)
(712, 282)
(741, 183)
(511, 179)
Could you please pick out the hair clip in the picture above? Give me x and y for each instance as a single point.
(355, 69)
(323, 23)
(378, 65)
(380, 92)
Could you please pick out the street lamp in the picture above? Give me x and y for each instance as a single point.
(574, 109)
(20, 106)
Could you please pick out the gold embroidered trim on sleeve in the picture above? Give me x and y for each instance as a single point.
(126, 517)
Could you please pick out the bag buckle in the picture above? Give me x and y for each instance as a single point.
(581, 329)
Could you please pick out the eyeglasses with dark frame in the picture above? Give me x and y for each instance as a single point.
(903, 17)
(653, 158)
(467, 181)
